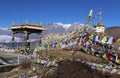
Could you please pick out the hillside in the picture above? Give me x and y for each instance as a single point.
(79, 70)
(113, 31)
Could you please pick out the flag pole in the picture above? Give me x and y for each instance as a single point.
(88, 19)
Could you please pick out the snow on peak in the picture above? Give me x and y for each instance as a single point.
(64, 25)
(7, 38)
(3, 28)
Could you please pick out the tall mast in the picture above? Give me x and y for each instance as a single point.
(100, 15)
(88, 19)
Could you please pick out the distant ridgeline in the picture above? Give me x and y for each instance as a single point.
(34, 43)
(10, 44)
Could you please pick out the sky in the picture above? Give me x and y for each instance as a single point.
(52, 11)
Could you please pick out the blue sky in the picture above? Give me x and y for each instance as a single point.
(65, 11)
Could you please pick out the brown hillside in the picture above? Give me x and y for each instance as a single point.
(113, 31)
(79, 70)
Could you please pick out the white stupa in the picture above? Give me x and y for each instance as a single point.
(99, 28)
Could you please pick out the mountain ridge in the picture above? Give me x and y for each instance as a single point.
(59, 28)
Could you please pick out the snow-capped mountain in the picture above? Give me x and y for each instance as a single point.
(5, 31)
(51, 28)
(4, 28)
(60, 27)
(76, 26)
(55, 28)
(66, 26)
(6, 38)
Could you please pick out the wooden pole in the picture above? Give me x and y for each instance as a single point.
(13, 38)
(40, 39)
(18, 58)
(26, 37)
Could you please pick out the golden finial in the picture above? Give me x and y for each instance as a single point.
(40, 24)
(26, 21)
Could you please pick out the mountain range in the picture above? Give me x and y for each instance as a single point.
(59, 28)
